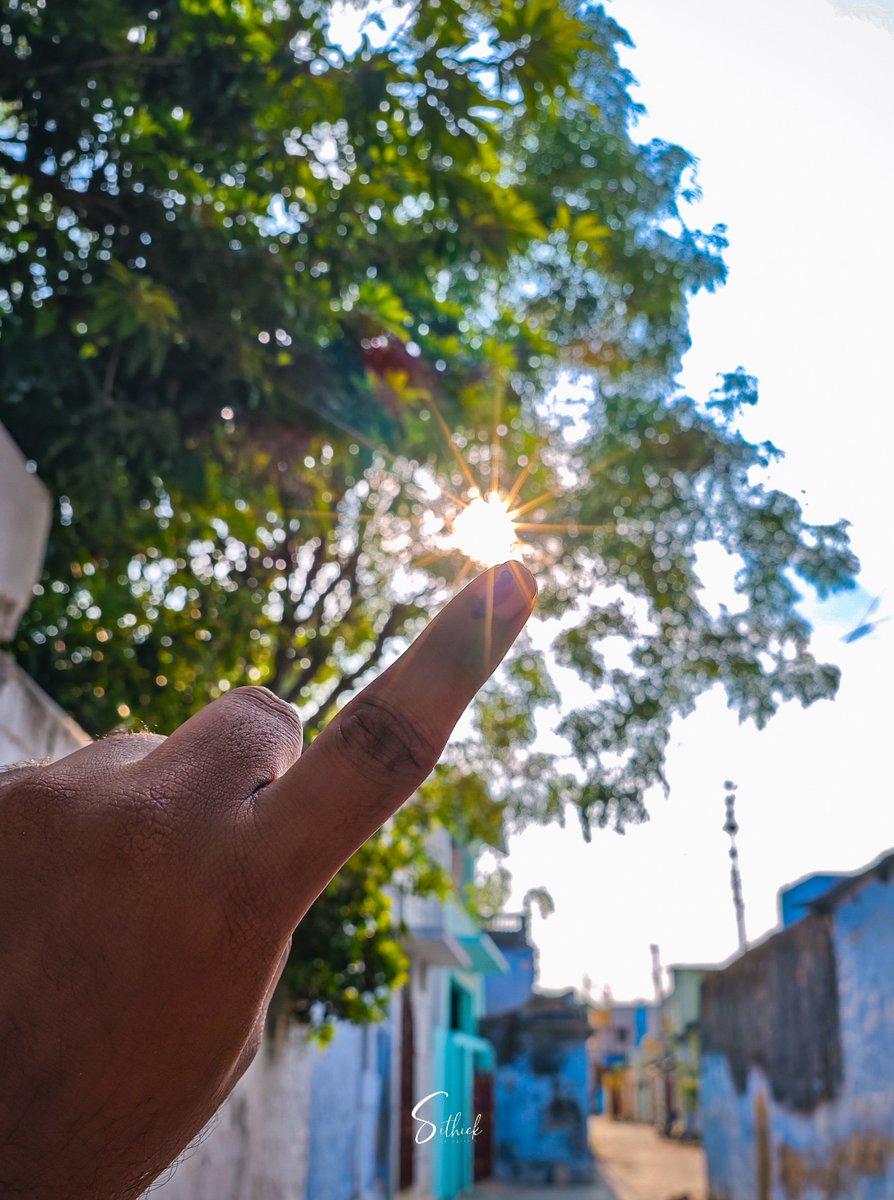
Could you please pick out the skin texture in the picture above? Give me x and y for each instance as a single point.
(149, 889)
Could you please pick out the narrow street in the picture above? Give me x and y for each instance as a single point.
(634, 1163)
(637, 1164)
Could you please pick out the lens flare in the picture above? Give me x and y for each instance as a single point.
(484, 531)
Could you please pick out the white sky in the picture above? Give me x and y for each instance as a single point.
(790, 109)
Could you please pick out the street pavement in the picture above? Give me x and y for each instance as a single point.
(639, 1165)
(521, 1191)
(633, 1163)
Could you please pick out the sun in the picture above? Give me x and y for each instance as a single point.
(485, 532)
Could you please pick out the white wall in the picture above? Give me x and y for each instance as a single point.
(31, 725)
(255, 1148)
(25, 510)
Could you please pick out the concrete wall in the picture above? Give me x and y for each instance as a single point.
(256, 1146)
(682, 1006)
(503, 992)
(797, 1079)
(511, 988)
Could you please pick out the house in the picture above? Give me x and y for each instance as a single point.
(621, 1049)
(677, 1100)
(797, 1063)
(644, 1056)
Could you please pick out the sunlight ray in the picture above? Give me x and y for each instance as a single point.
(496, 448)
(569, 527)
(520, 479)
(464, 572)
(488, 618)
(525, 508)
(452, 446)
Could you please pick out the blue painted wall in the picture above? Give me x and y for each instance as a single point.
(542, 1092)
(844, 1147)
(541, 1121)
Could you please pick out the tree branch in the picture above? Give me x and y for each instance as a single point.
(396, 617)
(285, 651)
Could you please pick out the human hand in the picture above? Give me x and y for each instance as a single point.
(149, 888)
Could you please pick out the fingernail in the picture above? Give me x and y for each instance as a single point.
(512, 594)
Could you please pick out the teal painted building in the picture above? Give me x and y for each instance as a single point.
(444, 1068)
(463, 1059)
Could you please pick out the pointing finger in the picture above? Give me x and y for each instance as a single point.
(386, 741)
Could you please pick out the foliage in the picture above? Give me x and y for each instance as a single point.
(266, 302)
(210, 206)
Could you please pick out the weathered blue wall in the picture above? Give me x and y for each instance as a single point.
(542, 1092)
(770, 1141)
(349, 1115)
(541, 1121)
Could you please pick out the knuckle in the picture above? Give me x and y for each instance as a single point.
(260, 704)
(381, 741)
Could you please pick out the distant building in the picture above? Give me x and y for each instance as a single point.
(621, 1046)
(677, 1110)
(508, 990)
(797, 1065)
(541, 1102)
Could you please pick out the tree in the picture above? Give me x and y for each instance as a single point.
(271, 308)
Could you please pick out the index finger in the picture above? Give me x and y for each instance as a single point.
(386, 741)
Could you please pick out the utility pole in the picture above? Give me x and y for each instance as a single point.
(732, 828)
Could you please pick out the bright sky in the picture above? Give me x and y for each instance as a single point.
(789, 108)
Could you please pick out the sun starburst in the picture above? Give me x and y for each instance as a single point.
(487, 522)
(484, 531)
